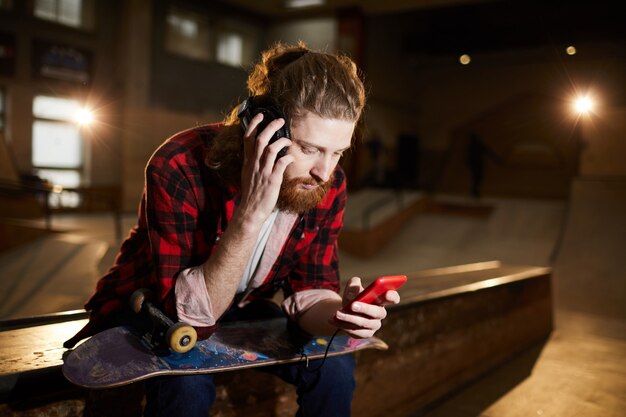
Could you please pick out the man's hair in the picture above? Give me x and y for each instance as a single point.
(300, 80)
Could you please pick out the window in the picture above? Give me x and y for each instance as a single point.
(230, 48)
(65, 12)
(57, 152)
(198, 37)
(187, 34)
(56, 145)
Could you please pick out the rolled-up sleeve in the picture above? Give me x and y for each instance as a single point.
(193, 304)
(297, 304)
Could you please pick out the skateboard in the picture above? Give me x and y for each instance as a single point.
(120, 356)
(123, 355)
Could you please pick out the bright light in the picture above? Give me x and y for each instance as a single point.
(293, 4)
(583, 105)
(83, 117)
(570, 50)
(465, 59)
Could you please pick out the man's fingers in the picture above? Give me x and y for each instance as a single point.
(278, 170)
(368, 310)
(391, 297)
(360, 333)
(263, 137)
(252, 127)
(353, 288)
(365, 321)
(271, 151)
(355, 330)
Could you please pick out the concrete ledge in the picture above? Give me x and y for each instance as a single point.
(441, 343)
(453, 325)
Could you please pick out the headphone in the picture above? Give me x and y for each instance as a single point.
(254, 105)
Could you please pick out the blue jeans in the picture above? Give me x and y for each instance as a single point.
(324, 392)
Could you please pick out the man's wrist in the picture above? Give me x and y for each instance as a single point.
(246, 224)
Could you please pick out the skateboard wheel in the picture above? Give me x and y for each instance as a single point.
(138, 297)
(181, 337)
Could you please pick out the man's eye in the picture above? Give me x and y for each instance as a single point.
(307, 150)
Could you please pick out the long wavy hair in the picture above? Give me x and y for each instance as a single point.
(300, 80)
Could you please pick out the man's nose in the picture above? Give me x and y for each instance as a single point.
(322, 169)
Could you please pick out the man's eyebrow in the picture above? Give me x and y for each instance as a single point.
(304, 142)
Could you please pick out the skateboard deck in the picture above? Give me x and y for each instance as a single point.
(119, 356)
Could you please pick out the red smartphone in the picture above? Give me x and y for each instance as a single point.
(378, 288)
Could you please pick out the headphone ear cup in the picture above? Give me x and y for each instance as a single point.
(284, 131)
(269, 114)
(243, 113)
(271, 111)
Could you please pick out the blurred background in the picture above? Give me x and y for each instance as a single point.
(494, 131)
(489, 125)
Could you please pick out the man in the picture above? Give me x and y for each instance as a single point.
(225, 222)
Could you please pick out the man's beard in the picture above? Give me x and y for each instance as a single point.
(297, 199)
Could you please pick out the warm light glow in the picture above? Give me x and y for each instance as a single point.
(84, 117)
(293, 4)
(465, 59)
(570, 50)
(583, 105)
(57, 189)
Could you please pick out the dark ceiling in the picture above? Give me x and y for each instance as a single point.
(452, 26)
(501, 25)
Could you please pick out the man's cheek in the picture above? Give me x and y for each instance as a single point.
(291, 172)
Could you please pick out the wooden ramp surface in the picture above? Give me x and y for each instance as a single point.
(33, 348)
(442, 282)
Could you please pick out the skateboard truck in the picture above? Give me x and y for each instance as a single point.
(180, 337)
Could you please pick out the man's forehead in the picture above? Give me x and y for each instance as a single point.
(328, 133)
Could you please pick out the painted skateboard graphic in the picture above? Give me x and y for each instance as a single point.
(120, 355)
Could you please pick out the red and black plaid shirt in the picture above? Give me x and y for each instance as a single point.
(183, 212)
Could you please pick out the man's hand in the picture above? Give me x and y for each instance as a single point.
(262, 174)
(364, 319)
(261, 179)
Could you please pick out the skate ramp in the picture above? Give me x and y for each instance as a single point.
(374, 216)
(48, 275)
(515, 231)
(589, 266)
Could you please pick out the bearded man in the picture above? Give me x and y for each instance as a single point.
(233, 212)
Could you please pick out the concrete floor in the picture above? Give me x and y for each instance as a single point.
(580, 371)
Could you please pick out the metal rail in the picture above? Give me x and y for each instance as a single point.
(42, 193)
(41, 320)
